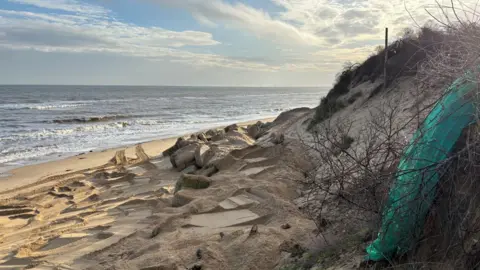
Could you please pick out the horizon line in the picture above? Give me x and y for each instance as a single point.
(160, 85)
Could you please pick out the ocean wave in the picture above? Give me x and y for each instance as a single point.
(65, 132)
(294, 94)
(115, 125)
(194, 98)
(55, 106)
(148, 122)
(93, 119)
(59, 105)
(41, 106)
(22, 156)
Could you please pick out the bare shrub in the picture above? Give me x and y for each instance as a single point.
(353, 163)
(452, 228)
(347, 187)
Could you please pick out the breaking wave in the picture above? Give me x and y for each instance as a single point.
(94, 119)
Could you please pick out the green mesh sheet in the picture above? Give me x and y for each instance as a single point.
(416, 178)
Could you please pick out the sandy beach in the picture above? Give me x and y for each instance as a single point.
(127, 208)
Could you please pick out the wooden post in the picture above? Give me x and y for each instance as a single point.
(386, 59)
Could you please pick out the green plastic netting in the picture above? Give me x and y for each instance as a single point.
(416, 178)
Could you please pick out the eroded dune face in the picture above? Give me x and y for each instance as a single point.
(128, 214)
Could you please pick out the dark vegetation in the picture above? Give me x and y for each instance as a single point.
(405, 55)
(354, 97)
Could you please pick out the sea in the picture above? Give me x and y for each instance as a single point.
(40, 123)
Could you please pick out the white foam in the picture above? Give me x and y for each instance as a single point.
(44, 106)
(55, 106)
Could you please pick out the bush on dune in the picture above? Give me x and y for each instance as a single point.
(329, 103)
(405, 56)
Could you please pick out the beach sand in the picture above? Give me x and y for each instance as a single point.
(87, 212)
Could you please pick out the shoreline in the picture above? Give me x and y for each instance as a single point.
(24, 175)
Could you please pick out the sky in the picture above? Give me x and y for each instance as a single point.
(197, 42)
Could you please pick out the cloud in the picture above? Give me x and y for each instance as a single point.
(244, 17)
(373, 14)
(204, 20)
(308, 35)
(356, 27)
(302, 27)
(86, 28)
(343, 55)
(333, 21)
(65, 5)
(57, 30)
(93, 29)
(83, 33)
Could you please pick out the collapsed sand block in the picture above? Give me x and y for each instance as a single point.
(140, 152)
(253, 131)
(210, 133)
(218, 137)
(223, 219)
(208, 171)
(184, 157)
(277, 138)
(119, 158)
(129, 177)
(202, 153)
(190, 169)
(257, 130)
(231, 127)
(192, 181)
(216, 154)
(256, 170)
(236, 202)
(226, 162)
(252, 150)
(273, 139)
(236, 137)
(180, 143)
(170, 151)
(221, 149)
(180, 199)
(136, 170)
(202, 137)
